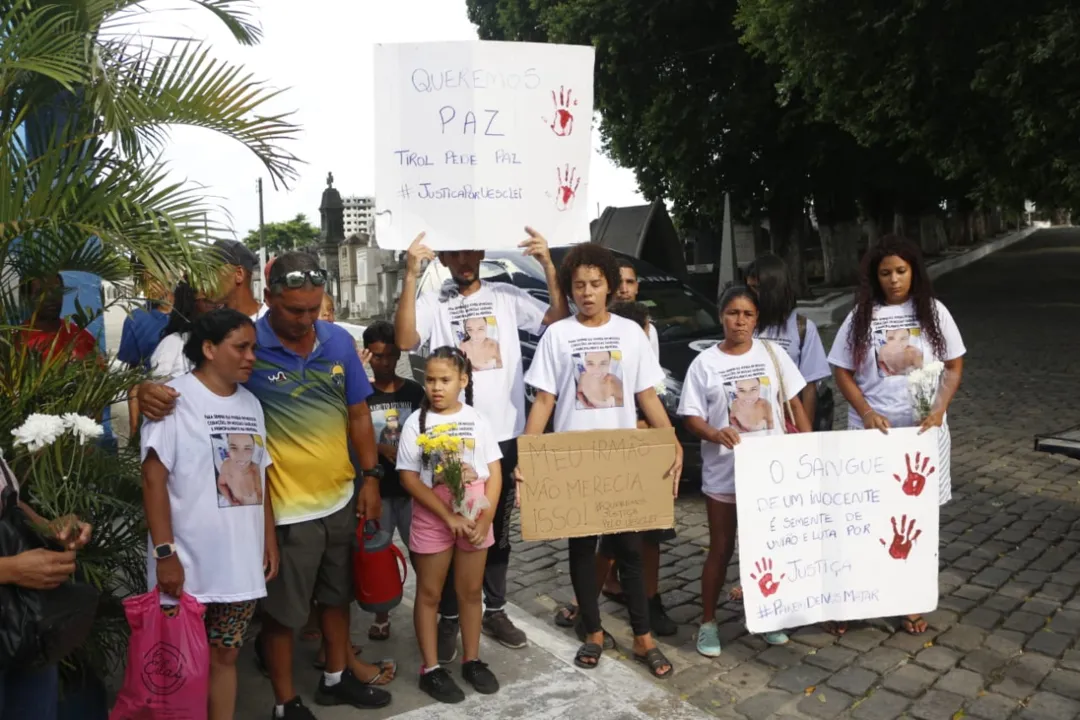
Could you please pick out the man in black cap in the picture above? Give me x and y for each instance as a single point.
(241, 265)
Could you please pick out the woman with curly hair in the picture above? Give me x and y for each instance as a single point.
(896, 326)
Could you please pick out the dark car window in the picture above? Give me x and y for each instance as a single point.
(676, 312)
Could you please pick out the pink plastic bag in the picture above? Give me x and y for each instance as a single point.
(168, 665)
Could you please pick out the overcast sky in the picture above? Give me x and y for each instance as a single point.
(321, 52)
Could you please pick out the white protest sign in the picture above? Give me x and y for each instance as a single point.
(837, 526)
(476, 140)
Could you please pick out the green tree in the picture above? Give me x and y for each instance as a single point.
(284, 236)
(85, 109)
(983, 94)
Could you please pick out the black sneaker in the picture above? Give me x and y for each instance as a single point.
(476, 673)
(499, 626)
(351, 691)
(294, 710)
(448, 635)
(659, 621)
(440, 686)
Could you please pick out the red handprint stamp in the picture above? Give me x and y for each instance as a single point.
(903, 538)
(915, 481)
(568, 187)
(766, 584)
(562, 122)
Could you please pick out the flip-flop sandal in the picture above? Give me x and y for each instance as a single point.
(911, 625)
(588, 651)
(836, 629)
(616, 597)
(654, 660)
(386, 675)
(321, 664)
(609, 639)
(566, 616)
(379, 631)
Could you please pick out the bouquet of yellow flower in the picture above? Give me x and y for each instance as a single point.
(445, 452)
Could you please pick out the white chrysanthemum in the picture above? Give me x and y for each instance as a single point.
(82, 427)
(38, 431)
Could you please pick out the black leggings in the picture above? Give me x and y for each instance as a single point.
(627, 552)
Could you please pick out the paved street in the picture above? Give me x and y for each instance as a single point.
(1004, 641)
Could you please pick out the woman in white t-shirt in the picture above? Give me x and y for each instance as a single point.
(739, 378)
(592, 371)
(778, 321)
(204, 492)
(168, 359)
(896, 326)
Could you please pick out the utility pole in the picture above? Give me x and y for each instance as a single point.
(262, 231)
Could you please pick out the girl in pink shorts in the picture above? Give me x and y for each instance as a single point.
(444, 433)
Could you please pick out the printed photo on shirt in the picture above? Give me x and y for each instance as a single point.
(750, 397)
(437, 458)
(237, 459)
(388, 421)
(598, 377)
(898, 345)
(478, 338)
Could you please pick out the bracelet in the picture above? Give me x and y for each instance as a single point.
(863, 416)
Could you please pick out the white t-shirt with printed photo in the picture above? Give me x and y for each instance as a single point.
(485, 326)
(808, 354)
(898, 345)
(480, 446)
(215, 451)
(595, 372)
(739, 391)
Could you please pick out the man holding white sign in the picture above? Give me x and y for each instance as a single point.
(482, 319)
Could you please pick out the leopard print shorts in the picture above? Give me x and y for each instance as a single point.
(226, 623)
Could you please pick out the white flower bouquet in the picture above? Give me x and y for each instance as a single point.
(923, 385)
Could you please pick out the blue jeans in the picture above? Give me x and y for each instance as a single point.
(29, 694)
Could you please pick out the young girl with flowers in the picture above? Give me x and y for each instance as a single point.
(452, 471)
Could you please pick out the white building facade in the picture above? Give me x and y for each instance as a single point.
(359, 215)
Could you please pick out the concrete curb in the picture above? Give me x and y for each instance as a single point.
(834, 311)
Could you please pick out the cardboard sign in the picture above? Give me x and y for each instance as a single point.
(837, 526)
(595, 482)
(476, 140)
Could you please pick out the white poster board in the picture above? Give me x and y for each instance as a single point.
(837, 526)
(476, 140)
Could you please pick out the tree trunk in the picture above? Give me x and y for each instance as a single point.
(840, 251)
(932, 236)
(787, 231)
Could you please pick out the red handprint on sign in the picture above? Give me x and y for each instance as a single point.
(568, 186)
(766, 584)
(562, 123)
(915, 481)
(902, 538)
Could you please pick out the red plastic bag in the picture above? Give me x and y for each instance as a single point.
(168, 665)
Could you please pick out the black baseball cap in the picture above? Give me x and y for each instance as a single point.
(234, 252)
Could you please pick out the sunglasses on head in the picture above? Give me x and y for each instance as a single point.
(297, 278)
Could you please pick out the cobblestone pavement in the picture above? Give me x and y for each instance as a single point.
(1004, 640)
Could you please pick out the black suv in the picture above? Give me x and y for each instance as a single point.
(686, 321)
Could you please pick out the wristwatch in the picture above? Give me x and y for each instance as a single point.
(375, 472)
(164, 551)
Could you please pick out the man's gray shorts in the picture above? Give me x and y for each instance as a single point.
(316, 564)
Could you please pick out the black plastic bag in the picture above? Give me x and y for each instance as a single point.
(38, 628)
